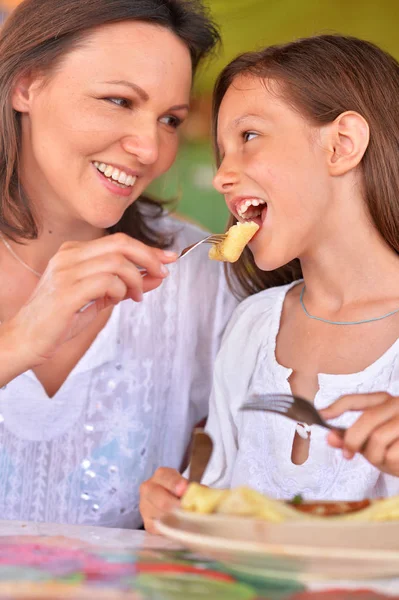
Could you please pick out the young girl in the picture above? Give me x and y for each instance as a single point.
(92, 95)
(307, 136)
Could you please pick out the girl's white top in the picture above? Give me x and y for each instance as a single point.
(254, 448)
(128, 406)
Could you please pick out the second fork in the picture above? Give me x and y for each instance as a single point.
(291, 406)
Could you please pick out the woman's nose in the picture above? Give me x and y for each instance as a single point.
(226, 177)
(143, 144)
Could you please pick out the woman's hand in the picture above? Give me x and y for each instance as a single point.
(375, 434)
(160, 494)
(94, 275)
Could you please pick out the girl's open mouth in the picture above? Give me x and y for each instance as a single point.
(252, 209)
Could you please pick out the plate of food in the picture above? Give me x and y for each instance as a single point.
(310, 541)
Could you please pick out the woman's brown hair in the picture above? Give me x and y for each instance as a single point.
(36, 36)
(322, 77)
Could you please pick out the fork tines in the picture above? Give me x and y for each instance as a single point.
(216, 238)
(275, 402)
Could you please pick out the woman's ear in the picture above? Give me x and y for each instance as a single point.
(346, 140)
(23, 92)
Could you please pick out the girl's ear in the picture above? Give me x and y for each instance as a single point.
(22, 93)
(346, 140)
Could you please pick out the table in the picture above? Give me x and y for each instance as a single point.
(155, 568)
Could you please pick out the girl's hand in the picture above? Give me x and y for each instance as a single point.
(160, 494)
(375, 434)
(99, 273)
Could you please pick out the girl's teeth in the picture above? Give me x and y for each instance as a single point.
(249, 208)
(108, 171)
(122, 177)
(115, 174)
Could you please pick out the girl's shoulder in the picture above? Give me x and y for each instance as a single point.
(260, 310)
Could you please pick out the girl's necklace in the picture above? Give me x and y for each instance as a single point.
(393, 312)
(15, 255)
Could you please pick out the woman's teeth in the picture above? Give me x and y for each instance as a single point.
(117, 177)
(248, 209)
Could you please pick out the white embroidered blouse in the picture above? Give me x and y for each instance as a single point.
(128, 406)
(253, 448)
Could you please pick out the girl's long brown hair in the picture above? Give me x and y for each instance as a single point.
(36, 36)
(322, 77)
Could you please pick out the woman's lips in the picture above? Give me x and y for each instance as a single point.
(112, 187)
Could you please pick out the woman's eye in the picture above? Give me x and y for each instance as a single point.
(123, 102)
(171, 121)
(249, 135)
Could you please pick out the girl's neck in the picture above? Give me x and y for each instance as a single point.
(351, 263)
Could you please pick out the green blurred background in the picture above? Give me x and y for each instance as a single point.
(250, 24)
(245, 25)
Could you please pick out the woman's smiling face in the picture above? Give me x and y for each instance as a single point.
(273, 170)
(104, 124)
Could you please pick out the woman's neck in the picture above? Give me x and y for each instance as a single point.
(37, 253)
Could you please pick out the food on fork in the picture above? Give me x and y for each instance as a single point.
(244, 502)
(238, 236)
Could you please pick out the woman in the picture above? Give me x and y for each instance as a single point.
(97, 389)
(307, 135)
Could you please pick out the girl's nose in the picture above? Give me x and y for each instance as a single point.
(225, 178)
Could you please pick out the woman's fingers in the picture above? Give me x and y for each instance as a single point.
(153, 260)
(117, 265)
(81, 280)
(151, 283)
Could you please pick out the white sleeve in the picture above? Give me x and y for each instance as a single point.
(232, 375)
(215, 306)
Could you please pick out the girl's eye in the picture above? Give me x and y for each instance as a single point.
(123, 102)
(171, 121)
(249, 135)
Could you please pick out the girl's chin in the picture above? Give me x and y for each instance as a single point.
(267, 263)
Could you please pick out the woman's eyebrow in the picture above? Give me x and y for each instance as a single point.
(142, 93)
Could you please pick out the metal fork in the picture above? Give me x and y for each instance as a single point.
(214, 238)
(294, 407)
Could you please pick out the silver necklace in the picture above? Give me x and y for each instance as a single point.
(393, 312)
(15, 255)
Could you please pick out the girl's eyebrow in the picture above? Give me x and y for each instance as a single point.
(239, 120)
(142, 93)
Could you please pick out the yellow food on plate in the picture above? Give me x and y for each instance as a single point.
(244, 502)
(238, 236)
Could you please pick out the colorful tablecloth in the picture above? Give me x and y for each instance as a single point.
(61, 562)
